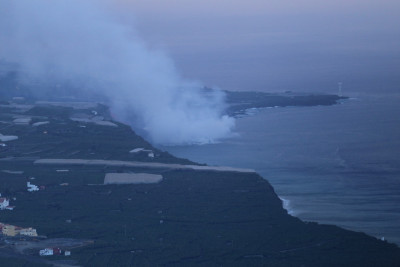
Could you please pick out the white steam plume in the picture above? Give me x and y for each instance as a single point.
(76, 40)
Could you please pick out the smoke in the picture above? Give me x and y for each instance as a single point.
(80, 42)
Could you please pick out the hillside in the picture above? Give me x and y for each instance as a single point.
(194, 216)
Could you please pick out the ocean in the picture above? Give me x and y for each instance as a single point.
(329, 164)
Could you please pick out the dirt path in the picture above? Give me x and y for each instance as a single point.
(139, 164)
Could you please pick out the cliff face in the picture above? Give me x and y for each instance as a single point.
(191, 217)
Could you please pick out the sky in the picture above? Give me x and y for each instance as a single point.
(275, 45)
(149, 59)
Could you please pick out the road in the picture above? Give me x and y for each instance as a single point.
(155, 165)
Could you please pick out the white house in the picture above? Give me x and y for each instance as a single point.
(28, 232)
(4, 203)
(32, 187)
(46, 252)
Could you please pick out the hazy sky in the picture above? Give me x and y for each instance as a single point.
(275, 45)
(78, 48)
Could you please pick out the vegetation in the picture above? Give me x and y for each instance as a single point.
(204, 218)
(64, 138)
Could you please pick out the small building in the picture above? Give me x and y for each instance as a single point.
(9, 230)
(4, 203)
(28, 232)
(46, 252)
(12, 230)
(32, 187)
(56, 251)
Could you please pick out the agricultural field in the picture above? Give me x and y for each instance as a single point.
(191, 217)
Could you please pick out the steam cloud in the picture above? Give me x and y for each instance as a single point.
(79, 41)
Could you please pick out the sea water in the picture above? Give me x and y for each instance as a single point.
(330, 164)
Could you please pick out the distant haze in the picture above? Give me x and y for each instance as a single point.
(273, 45)
(82, 43)
(149, 58)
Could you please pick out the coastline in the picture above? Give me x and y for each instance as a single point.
(191, 217)
(337, 186)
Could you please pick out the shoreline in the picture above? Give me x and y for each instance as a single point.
(216, 210)
(302, 210)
